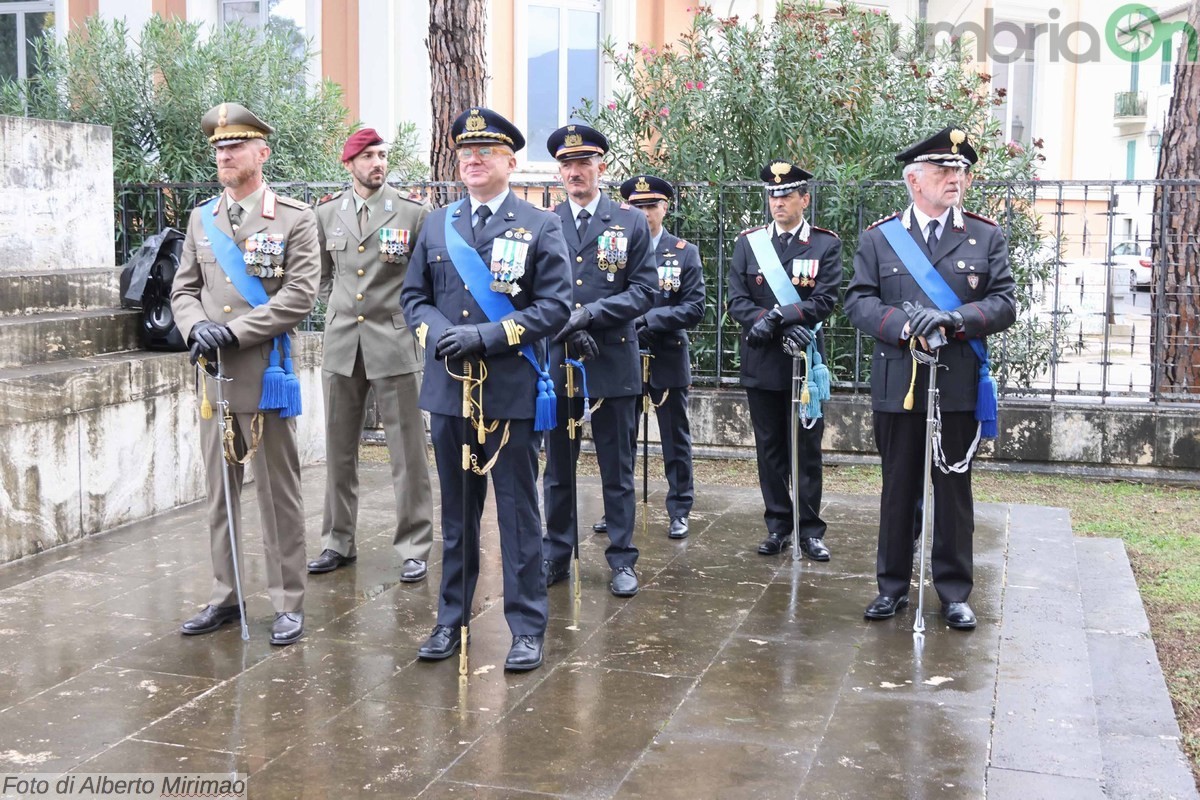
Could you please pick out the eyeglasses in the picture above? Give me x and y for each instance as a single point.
(465, 154)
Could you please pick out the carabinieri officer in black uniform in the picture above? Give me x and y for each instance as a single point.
(526, 263)
(885, 301)
(678, 305)
(811, 259)
(613, 284)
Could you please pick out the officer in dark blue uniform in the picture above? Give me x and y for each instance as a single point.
(811, 259)
(613, 284)
(678, 305)
(523, 248)
(970, 253)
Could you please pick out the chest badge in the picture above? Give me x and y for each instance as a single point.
(973, 281)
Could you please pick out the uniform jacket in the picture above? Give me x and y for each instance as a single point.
(973, 260)
(362, 290)
(434, 298)
(750, 297)
(674, 311)
(202, 292)
(614, 305)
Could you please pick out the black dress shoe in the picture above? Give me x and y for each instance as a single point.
(679, 528)
(329, 560)
(556, 571)
(774, 544)
(884, 607)
(525, 653)
(209, 619)
(288, 627)
(601, 526)
(815, 549)
(624, 582)
(959, 615)
(414, 570)
(441, 643)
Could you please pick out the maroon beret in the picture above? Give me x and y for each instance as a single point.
(360, 140)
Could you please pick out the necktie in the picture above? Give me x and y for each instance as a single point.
(481, 217)
(235, 216)
(785, 239)
(581, 222)
(363, 214)
(932, 238)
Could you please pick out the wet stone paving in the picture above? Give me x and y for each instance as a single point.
(730, 675)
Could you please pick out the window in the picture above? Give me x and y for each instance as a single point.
(562, 65)
(1134, 69)
(22, 24)
(1130, 159)
(286, 16)
(1164, 75)
(1013, 69)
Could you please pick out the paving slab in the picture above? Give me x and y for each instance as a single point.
(729, 675)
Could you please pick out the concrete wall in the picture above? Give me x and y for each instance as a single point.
(56, 196)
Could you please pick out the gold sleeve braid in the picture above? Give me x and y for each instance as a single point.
(514, 331)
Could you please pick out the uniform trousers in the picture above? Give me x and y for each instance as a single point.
(614, 427)
(900, 438)
(515, 479)
(769, 411)
(675, 435)
(276, 466)
(404, 429)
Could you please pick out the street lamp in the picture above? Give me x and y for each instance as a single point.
(1154, 139)
(1018, 128)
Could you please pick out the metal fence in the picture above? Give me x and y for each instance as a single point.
(1093, 293)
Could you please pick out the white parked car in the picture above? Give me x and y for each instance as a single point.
(1134, 257)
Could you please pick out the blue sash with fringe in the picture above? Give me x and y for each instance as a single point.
(478, 278)
(281, 387)
(936, 288)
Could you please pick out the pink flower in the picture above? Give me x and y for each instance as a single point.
(700, 85)
(689, 85)
(664, 112)
(612, 105)
(817, 54)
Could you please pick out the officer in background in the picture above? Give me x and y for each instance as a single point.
(522, 245)
(366, 234)
(811, 261)
(970, 255)
(613, 282)
(678, 305)
(248, 274)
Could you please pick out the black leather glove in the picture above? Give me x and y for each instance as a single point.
(459, 341)
(924, 321)
(584, 345)
(196, 350)
(580, 319)
(644, 334)
(796, 337)
(765, 329)
(212, 336)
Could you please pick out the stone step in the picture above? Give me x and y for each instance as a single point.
(1139, 736)
(63, 290)
(56, 336)
(1046, 740)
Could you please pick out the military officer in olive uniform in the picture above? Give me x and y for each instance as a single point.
(970, 254)
(517, 253)
(614, 282)
(366, 235)
(248, 274)
(811, 260)
(678, 305)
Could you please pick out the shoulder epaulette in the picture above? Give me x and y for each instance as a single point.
(413, 197)
(752, 230)
(328, 197)
(981, 218)
(625, 206)
(291, 201)
(882, 220)
(680, 244)
(825, 230)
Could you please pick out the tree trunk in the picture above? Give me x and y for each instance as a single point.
(458, 71)
(1176, 309)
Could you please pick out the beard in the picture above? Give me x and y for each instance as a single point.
(233, 177)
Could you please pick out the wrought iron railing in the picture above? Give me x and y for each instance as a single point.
(1129, 104)
(1094, 325)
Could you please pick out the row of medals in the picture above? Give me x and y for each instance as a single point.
(264, 255)
(612, 252)
(508, 260)
(668, 276)
(804, 271)
(393, 243)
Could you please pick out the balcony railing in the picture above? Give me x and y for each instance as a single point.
(1129, 104)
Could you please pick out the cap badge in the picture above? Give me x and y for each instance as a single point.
(779, 169)
(957, 137)
(475, 122)
(642, 185)
(572, 139)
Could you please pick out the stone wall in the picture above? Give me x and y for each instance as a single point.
(56, 196)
